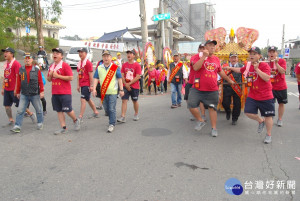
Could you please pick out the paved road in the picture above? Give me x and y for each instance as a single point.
(160, 157)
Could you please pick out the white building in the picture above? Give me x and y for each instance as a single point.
(49, 30)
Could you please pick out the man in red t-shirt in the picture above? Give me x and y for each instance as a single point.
(131, 73)
(11, 69)
(260, 96)
(278, 68)
(85, 83)
(190, 83)
(297, 72)
(61, 75)
(205, 87)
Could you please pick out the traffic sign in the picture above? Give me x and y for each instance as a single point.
(286, 52)
(159, 17)
(27, 28)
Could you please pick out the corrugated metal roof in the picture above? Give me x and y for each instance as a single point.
(112, 35)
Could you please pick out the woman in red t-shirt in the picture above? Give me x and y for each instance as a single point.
(260, 95)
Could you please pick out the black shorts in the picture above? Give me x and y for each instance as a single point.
(62, 102)
(85, 93)
(266, 107)
(134, 93)
(281, 96)
(98, 91)
(9, 98)
(187, 90)
(208, 98)
(299, 89)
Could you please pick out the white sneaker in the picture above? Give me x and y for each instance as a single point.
(214, 132)
(77, 125)
(40, 126)
(136, 118)
(199, 125)
(110, 128)
(121, 119)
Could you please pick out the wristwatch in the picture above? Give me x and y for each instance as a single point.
(121, 90)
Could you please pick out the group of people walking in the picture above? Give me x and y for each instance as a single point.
(113, 77)
(23, 85)
(264, 80)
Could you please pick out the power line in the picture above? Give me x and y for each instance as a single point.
(89, 3)
(93, 7)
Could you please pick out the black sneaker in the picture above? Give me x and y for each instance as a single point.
(227, 115)
(234, 122)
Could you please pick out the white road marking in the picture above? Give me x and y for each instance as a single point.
(293, 94)
(292, 83)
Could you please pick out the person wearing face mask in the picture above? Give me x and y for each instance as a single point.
(279, 86)
(233, 91)
(260, 96)
(61, 75)
(30, 89)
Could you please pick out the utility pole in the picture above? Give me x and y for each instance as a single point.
(144, 27)
(282, 42)
(168, 26)
(161, 8)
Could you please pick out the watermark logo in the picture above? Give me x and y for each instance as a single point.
(233, 187)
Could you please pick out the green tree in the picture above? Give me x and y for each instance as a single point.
(7, 19)
(264, 52)
(33, 12)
